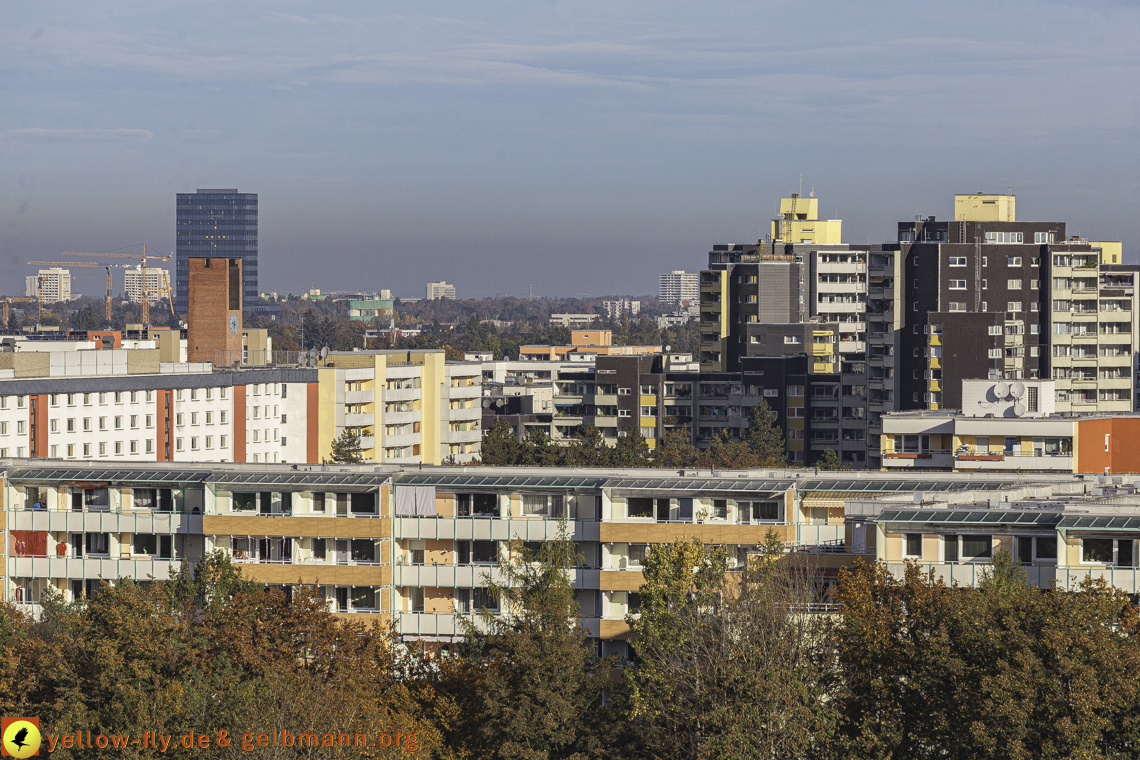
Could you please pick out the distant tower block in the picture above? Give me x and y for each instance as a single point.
(214, 298)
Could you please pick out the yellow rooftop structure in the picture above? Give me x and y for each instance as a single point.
(799, 222)
(1110, 252)
(985, 208)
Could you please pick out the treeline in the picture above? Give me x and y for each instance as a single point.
(721, 665)
(320, 324)
(762, 445)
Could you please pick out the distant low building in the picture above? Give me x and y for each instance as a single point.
(368, 309)
(573, 320)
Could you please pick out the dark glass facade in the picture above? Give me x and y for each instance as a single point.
(216, 223)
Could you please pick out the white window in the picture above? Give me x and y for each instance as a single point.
(222, 417)
(53, 452)
(102, 423)
(221, 441)
(956, 306)
(222, 393)
(134, 447)
(621, 413)
(177, 419)
(178, 444)
(149, 446)
(19, 427)
(134, 421)
(1042, 238)
(1013, 306)
(150, 420)
(1034, 284)
(193, 418)
(118, 423)
(53, 426)
(1013, 261)
(193, 394)
(1013, 284)
(957, 284)
(912, 545)
(995, 329)
(793, 340)
(193, 443)
(957, 261)
(71, 449)
(87, 423)
(209, 442)
(255, 432)
(102, 449)
(995, 353)
(118, 447)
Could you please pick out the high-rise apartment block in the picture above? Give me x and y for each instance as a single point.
(52, 285)
(989, 297)
(438, 290)
(679, 287)
(215, 223)
(156, 284)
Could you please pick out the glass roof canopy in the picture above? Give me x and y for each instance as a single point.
(111, 475)
(1100, 522)
(978, 517)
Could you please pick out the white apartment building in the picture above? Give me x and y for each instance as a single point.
(124, 404)
(55, 283)
(678, 286)
(438, 290)
(157, 280)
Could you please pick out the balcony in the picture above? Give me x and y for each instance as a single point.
(359, 397)
(359, 420)
(404, 394)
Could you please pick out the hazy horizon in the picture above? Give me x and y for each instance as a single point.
(579, 148)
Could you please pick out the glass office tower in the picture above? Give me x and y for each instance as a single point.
(219, 223)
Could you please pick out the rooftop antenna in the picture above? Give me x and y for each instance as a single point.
(801, 184)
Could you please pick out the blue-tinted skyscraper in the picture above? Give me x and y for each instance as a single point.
(216, 223)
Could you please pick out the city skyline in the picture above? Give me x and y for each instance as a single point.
(582, 149)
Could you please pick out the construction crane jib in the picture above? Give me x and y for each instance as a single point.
(145, 300)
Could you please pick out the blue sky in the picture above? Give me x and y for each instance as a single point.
(579, 147)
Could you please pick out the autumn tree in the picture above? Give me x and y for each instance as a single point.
(729, 664)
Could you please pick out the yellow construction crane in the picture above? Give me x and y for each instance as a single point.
(9, 300)
(145, 291)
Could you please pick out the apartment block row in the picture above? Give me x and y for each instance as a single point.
(72, 401)
(418, 548)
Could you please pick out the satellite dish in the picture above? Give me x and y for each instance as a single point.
(487, 404)
(325, 352)
(1018, 409)
(1017, 390)
(1001, 390)
(313, 356)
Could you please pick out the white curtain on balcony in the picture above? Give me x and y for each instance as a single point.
(415, 500)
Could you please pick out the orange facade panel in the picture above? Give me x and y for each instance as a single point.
(1110, 445)
(300, 527)
(715, 533)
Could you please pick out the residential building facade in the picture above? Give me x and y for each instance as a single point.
(157, 281)
(52, 285)
(438, 290)
(678, 287)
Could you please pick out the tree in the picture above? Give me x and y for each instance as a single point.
(631, 450)
(676, 452)
(726, 454)
(86, 319)
(1049, 674)
(501, 445)
(728, 663)
(829, 460)
(588, 449)
(346, 448)
(529, 684)
(538, 450)
(765, 437)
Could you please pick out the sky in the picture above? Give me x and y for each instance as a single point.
(570, 147)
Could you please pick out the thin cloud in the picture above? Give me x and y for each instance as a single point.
(41, 134)
(201, 136)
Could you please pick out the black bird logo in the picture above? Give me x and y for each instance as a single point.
(18, 739)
